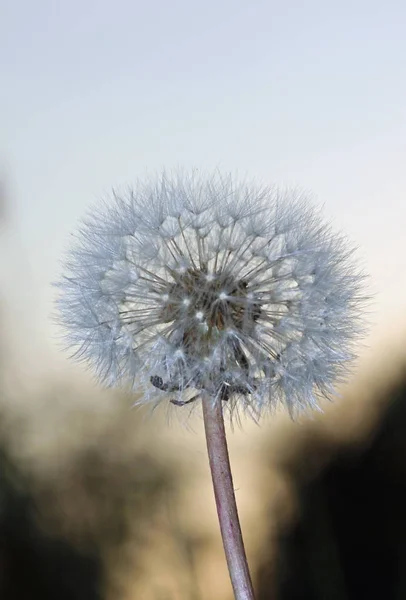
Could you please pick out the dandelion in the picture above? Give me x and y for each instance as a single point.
(234, 295)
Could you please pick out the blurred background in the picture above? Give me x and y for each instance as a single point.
(99, 501)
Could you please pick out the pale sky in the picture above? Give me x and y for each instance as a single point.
(95, 94)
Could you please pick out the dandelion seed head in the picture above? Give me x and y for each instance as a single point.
(191, 285)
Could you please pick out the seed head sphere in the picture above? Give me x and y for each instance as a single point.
(190, 285)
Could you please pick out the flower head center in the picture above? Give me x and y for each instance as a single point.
(220, 302)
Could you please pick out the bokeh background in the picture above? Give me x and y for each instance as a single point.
(100, 501)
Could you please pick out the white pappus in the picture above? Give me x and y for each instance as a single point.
(191, 285)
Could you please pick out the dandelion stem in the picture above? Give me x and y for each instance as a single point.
(225, 499)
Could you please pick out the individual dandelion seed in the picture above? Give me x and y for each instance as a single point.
(204, 289)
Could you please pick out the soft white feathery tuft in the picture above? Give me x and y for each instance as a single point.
(191, 285)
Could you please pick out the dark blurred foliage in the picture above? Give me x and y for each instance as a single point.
(55, 535)
(349, 541)
(33, 565)
(58, 532)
